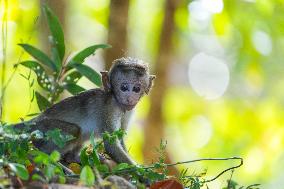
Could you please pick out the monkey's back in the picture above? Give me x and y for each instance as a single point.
(84, 109)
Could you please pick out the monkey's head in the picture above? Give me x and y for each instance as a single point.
(128, 80)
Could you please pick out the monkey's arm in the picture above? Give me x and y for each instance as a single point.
(123, 145)
(115, 149)
(117, 153)
(124, 125)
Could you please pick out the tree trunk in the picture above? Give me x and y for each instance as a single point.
(117, 36)
(154, 127)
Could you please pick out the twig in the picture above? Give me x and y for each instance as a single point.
(210, 159)
(68, 171)
(98, 176)
(192, 161)
(201, 159)
(229, 181)
(250, 186)
(231, 168)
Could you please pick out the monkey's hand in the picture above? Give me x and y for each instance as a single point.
(117, 153)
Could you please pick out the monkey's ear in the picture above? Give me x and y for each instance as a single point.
(105, 81)
(151, 78)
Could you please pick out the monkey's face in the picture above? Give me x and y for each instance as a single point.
(129, 87)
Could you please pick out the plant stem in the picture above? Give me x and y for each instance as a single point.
(68, 171)
(4, 86)
(209, 159)
(192, 161)
(4, 55)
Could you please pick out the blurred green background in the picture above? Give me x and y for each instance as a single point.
(219, 90)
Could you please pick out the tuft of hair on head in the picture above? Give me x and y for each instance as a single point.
(129, 63)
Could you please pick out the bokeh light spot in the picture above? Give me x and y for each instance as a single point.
(262, 42)
(197, 11)
(213, 6)
(254, 161)
(199, 131)
(208, 76)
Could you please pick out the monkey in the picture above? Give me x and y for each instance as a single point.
(100, 110)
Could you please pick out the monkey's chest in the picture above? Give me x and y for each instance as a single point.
(89, 126)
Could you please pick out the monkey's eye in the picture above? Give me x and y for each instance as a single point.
(136, 89)
(124, 87)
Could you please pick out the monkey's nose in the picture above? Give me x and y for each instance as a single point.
(128, 99)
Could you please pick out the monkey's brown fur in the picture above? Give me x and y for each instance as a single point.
(100, 110)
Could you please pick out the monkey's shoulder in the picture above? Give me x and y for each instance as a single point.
(81, 100)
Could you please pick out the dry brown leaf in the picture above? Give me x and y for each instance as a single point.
(30, 168)
(75, 167)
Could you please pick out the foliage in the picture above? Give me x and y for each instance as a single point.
(89, 158)
(19, 157)
(234, 185)
(192, 181)
(87, 176)
(58, 138)
(56, 74)
(156, 174)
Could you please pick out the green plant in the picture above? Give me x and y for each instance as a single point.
(234, 185)
(93, 166)
(49, 166)
(55, 74)
(14, 149)
(158, 171)
(17, 153)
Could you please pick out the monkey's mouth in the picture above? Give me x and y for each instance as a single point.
(128, 106)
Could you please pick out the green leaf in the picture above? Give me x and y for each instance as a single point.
(73, 88)
(56, 31)
(39, 55)
(80, 57)
(32, 83)
(42, 78)
(58, 138)
(32, 99)
(87, 176)
(42, 102)
(61, 179)
(89, 73)
(54, 156)
(84, 159)
(38, 177)
(55, 58)
(95, 154)
(121, 166)
(120, 133)
(49, 171)
(20, 170)
(40, 157)
(32, 114)
(155, 176)
(72, 77)
(103, 168)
